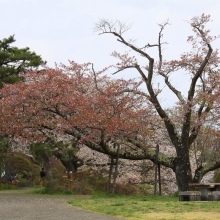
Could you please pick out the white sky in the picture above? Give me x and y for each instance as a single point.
(62, 30)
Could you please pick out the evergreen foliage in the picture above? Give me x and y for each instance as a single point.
(14, 60)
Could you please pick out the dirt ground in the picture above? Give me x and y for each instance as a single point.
(18, 205)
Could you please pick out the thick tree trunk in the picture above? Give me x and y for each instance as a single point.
(183, 169)
(72, 164)
(48, 170)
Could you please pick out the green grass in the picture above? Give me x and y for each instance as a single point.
(138, 207)
(51, 191)
(7, 186)
(159, 207)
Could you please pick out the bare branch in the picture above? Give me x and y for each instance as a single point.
(119, 70)
(198, 25)
(109, 26)
(162, 26)
(172, 88)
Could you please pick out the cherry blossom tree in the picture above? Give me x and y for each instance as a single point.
(104, 113)
(194, 110)
(76, 101)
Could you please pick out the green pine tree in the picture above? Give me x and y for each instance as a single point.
(14, 60)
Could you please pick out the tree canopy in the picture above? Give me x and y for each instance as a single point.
(102, 113)
(14, 60)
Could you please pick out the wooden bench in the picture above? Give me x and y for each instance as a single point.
(189, 196)
(214, 196)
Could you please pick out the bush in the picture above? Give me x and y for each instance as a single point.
(90, 182)
(83, 188)
(176, 194)
(127, 189)
(146, 189)
(50, 191)
(7, 186)
(21, 165)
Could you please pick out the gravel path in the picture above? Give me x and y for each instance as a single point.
(18, 205)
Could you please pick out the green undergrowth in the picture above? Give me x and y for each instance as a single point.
(52, 192)
(4, 186)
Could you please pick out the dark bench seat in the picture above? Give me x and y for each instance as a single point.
(189, 196)
(214, 196)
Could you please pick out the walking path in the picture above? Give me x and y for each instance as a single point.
(18, 205)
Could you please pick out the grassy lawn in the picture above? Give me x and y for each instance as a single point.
(143, 208)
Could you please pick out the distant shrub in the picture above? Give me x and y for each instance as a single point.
(22, 166)
(176, 194)
(127, 189)
(4, 186)
(146, 189)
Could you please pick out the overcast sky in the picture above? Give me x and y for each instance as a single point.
(62, 30)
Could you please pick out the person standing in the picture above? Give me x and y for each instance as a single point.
(11, 178)
(42, 175)
(14, 179)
